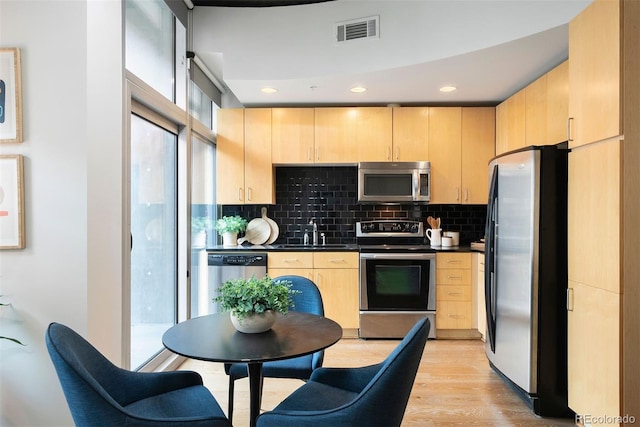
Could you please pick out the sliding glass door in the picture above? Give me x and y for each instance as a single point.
(154, 231)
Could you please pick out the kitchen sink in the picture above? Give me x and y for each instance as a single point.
(316, 247)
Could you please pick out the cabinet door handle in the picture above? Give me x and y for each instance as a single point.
(453, 261)
(397, 153)
(456, 316)
(466, 195)
(457, 194)
(388, 153)
(337, 260)
(569, 127)
(309, 154)
(240, 194)
(454, 293)
(454, 277)
(317, 154)
(290, 260)
(249, 195)
(569, 299)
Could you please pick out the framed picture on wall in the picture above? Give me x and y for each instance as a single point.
(10, 96)
(11, 202)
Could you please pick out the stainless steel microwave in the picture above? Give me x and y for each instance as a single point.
(394, 182)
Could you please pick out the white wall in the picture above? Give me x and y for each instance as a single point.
(72, 264)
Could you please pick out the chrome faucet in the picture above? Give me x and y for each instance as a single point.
(315, 230)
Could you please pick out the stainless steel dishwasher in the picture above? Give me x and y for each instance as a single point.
(223, 266)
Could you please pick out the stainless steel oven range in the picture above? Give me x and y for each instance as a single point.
(397, 278)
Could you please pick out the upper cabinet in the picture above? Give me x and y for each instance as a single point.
(335, 135)
(558, 103)
(510, 123)
(445, 153)
(537, 114)
(461, 144)
(478, 142)
(374, 129)
(243, 166)
(410, 134)
(595, 73)
(292, 135)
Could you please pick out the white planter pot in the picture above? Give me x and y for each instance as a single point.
(229, 239)
(255, 323)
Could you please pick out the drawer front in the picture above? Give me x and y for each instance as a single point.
(289, 260)
(453, 293)
(453, 277)
(335, 259)
(453, 315)
(446, 260)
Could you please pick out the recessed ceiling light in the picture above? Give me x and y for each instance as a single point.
(448, 88)
(268, 90)
(358, 89)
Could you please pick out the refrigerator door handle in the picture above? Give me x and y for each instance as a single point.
(490, 277)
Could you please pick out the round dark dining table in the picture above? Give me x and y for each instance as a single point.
(213, 338)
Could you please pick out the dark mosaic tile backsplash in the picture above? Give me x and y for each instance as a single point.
(329, 194)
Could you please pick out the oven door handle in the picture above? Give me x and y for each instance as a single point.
(397, 256)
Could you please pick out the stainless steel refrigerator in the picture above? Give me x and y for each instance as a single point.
(526, 275)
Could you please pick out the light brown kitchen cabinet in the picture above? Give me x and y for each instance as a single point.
(510, 123)
(410, 134)
(594, 278)
(593, 350)
(292, 136)
(535, 122)
(479, 312)
(445, 153)
(454, 295)
(374, 129)
(461, 143)
(478, 144)
(335, 274)
(335, 135)
(604, 290)
(243, 167)
(557, 104)
(595, 70)
(230, 156)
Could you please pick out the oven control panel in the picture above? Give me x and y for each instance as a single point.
(389, 228)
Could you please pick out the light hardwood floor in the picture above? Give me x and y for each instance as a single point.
(454, 386)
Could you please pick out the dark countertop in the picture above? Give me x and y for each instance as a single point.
(329, 247)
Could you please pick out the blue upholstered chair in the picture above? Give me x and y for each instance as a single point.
(101, 394)
(308, 300)
(369, 396)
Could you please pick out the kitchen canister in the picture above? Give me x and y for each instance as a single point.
(455, 237)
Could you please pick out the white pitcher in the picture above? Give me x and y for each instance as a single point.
(435, 236)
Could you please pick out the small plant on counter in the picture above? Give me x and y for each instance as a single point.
(231, 224)
(243, 297)
(9, 338)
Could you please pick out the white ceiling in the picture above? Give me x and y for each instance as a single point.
(489, 49)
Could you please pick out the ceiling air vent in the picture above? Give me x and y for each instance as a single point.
(364, 28)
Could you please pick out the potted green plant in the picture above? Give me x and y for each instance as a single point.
(254, 303)
(229, 227)
(199, 227)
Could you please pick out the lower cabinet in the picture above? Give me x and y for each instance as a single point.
(477, 282)
(454, 295)
(335, 274)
